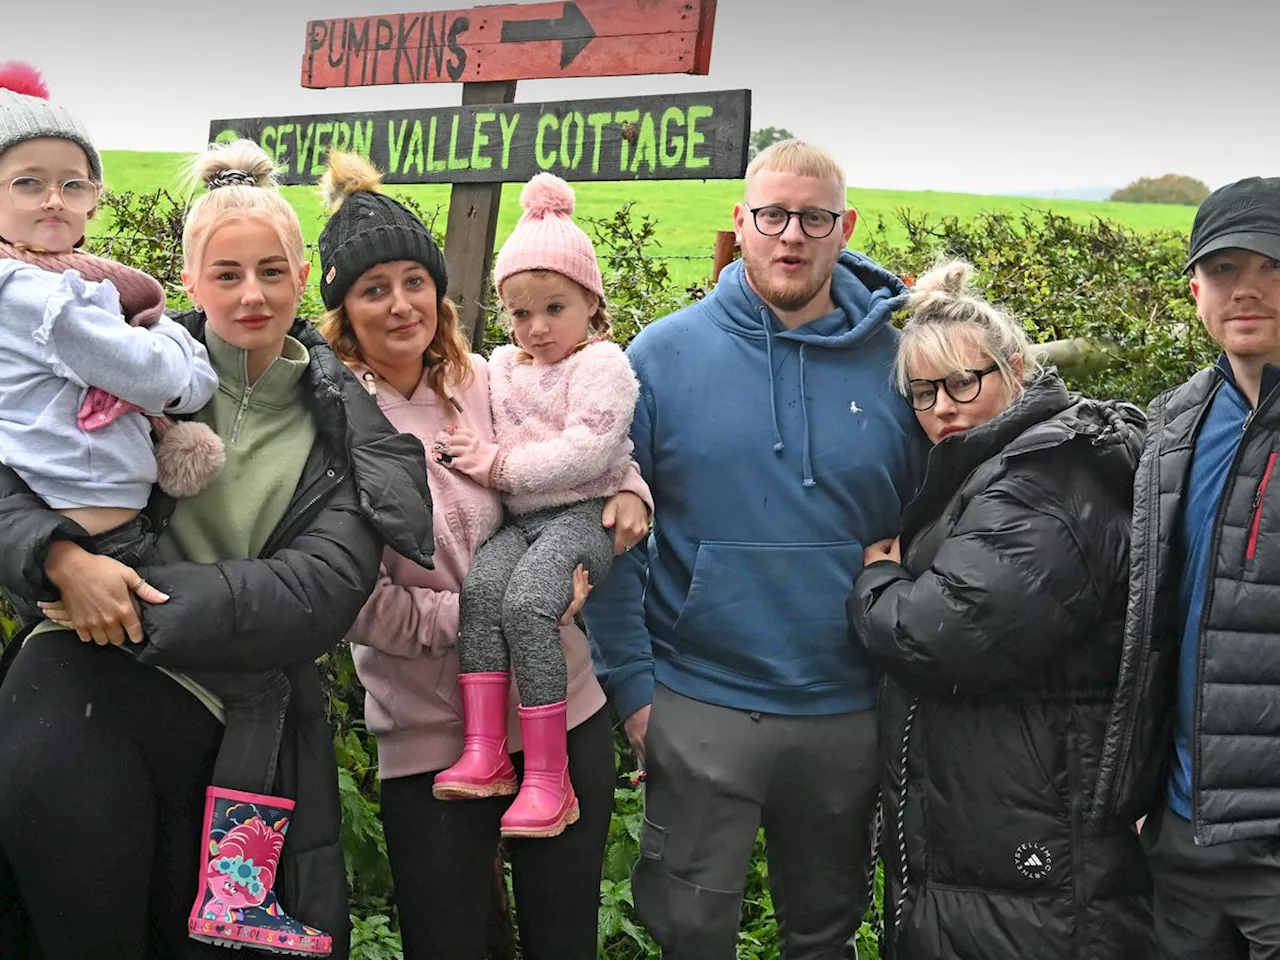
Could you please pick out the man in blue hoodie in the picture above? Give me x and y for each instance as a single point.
(776, 449)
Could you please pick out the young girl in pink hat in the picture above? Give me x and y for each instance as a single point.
(562, 396)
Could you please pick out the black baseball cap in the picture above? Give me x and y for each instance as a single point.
(1244, 215)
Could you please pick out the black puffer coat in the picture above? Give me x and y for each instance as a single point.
(999, 638)
(1236, 789)
(363, 485)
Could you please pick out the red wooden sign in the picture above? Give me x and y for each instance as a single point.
(580, 38)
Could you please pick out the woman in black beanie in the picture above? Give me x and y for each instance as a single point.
(384, 281)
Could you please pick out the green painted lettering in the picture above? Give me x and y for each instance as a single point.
(302, 140)
(597, 121)
(456, 162)
(268, 141)
(646, 146)
(341, 139)
(546, 122)
(395, 143)
(433, 165)
(228, 135)
(508, 133)
(414, 153)
(627, 119)
(317, 148)
(362, 140)
(570, 147)
(691, 160)
(480, 140)
(671, 148)
(281, 146)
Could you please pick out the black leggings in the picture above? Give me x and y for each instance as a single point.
(442, 862)
(103, 766)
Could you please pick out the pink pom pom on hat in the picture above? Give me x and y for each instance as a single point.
(547, 239)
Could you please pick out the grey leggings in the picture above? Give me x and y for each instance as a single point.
(517, 590)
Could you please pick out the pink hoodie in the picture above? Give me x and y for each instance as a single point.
(405, 636)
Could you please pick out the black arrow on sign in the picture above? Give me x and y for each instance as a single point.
(573, 30)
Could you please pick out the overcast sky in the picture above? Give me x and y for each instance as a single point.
(988, 96)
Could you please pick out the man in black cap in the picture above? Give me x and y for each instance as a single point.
(1195, 730)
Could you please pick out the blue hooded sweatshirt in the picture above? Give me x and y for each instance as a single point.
(774, 457)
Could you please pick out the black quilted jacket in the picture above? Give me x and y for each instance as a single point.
(999, 639)
(363, 486)
(1236, 740)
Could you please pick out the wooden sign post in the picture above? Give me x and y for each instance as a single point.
(491, 139)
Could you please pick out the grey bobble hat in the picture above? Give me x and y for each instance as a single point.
(369, 229)
(26, 114)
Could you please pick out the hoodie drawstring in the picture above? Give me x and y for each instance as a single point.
(904, 876)
(804, 411)
(773, 397)
(778, 446)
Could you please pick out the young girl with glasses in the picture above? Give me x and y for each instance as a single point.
(86, 353)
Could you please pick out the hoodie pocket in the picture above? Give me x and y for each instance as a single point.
(771, 612)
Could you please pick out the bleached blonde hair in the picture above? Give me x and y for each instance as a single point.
(946, 316)
(800, 158)
(258, 198)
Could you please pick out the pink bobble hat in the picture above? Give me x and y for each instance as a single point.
(547, 239)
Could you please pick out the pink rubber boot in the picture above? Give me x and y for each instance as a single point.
(484, 769)
(236, 905)
(546, 803)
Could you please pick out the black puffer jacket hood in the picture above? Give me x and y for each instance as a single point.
(998, 637)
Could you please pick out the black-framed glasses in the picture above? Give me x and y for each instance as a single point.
(816, 222)
(963, 386)
(78, 195)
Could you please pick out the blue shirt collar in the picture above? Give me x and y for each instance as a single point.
(1270, 376)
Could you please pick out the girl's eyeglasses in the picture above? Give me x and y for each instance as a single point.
(29, 193)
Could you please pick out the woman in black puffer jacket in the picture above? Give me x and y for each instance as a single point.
(997, 625)
(108, 826)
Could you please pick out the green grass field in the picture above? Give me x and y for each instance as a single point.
(689, 212)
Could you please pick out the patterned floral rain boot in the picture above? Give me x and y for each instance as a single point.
(546, 803)
(236, 905)
(484, 769)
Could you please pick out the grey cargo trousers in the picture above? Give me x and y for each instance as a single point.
(715, 775)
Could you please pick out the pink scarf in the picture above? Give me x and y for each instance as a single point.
(141, 299)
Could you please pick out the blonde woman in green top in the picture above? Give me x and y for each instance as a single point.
(263, 570)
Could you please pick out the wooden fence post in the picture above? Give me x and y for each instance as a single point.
(1079, 356)
(726, 252)
(472, 227)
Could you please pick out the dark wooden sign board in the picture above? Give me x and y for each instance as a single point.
(671, 137)
(490, 139)
(580, 38)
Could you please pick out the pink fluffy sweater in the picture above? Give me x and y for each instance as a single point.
(406, 635)
(563, 429)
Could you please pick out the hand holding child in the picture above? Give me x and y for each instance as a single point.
(581, 590)
(628, 517)
(100, 596)
(461, 449)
